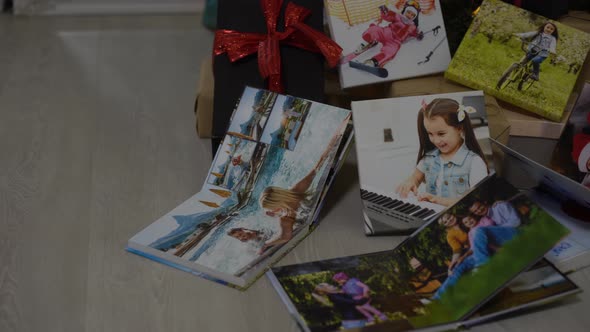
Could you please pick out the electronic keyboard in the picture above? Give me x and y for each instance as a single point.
(398, 215)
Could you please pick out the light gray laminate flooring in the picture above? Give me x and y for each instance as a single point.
(97, 141)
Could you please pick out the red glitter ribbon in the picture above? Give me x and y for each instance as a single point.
(298, 34)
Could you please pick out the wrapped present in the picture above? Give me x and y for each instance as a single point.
(271, 44)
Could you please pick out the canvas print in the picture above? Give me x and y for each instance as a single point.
(386, 40)
(259, 197)
(439, 275)
(286, 121)
(522, 58)
(252, 113)
(419, 155)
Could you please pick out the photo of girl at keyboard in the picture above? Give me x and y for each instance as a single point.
(418, 155)
(450, 160)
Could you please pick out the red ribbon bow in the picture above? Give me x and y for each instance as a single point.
(240, 44)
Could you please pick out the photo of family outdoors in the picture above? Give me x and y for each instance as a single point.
(439, 275)
(522, 58)
(438, 146)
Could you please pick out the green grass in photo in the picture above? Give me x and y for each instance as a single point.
(480, 63)
(473, 288)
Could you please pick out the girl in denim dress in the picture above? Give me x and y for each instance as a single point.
(450, 160)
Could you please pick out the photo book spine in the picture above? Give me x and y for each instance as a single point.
(287, 301)
(181, 267)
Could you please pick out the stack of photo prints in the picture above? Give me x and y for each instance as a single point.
(476, 248)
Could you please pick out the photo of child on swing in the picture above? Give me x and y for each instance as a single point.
(388, 40)
(522, 58)
(438, 275)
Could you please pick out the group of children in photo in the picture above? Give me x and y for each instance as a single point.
(475, 236)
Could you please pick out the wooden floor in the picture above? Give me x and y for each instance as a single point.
(97, 141)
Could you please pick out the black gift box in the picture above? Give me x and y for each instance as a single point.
(302, 71)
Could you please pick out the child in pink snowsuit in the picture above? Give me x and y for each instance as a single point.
(400, 28)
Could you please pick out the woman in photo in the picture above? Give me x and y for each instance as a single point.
(285, 203)
(450, 160)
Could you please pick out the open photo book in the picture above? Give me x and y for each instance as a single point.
(418, 155)
(564, 198)
(479, 259)
(262, 192)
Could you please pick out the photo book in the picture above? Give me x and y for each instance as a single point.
(483, 257)
(387, 40)
(522, 58)
(564, 198)
(418, 155)
(262, 192)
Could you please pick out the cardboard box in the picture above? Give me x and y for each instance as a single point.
(204, 100)
(527, 124)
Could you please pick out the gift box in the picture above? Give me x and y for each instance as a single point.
(301, 70)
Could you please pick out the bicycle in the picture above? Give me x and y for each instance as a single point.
(521, 71)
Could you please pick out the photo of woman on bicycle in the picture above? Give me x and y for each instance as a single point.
(504, 53)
